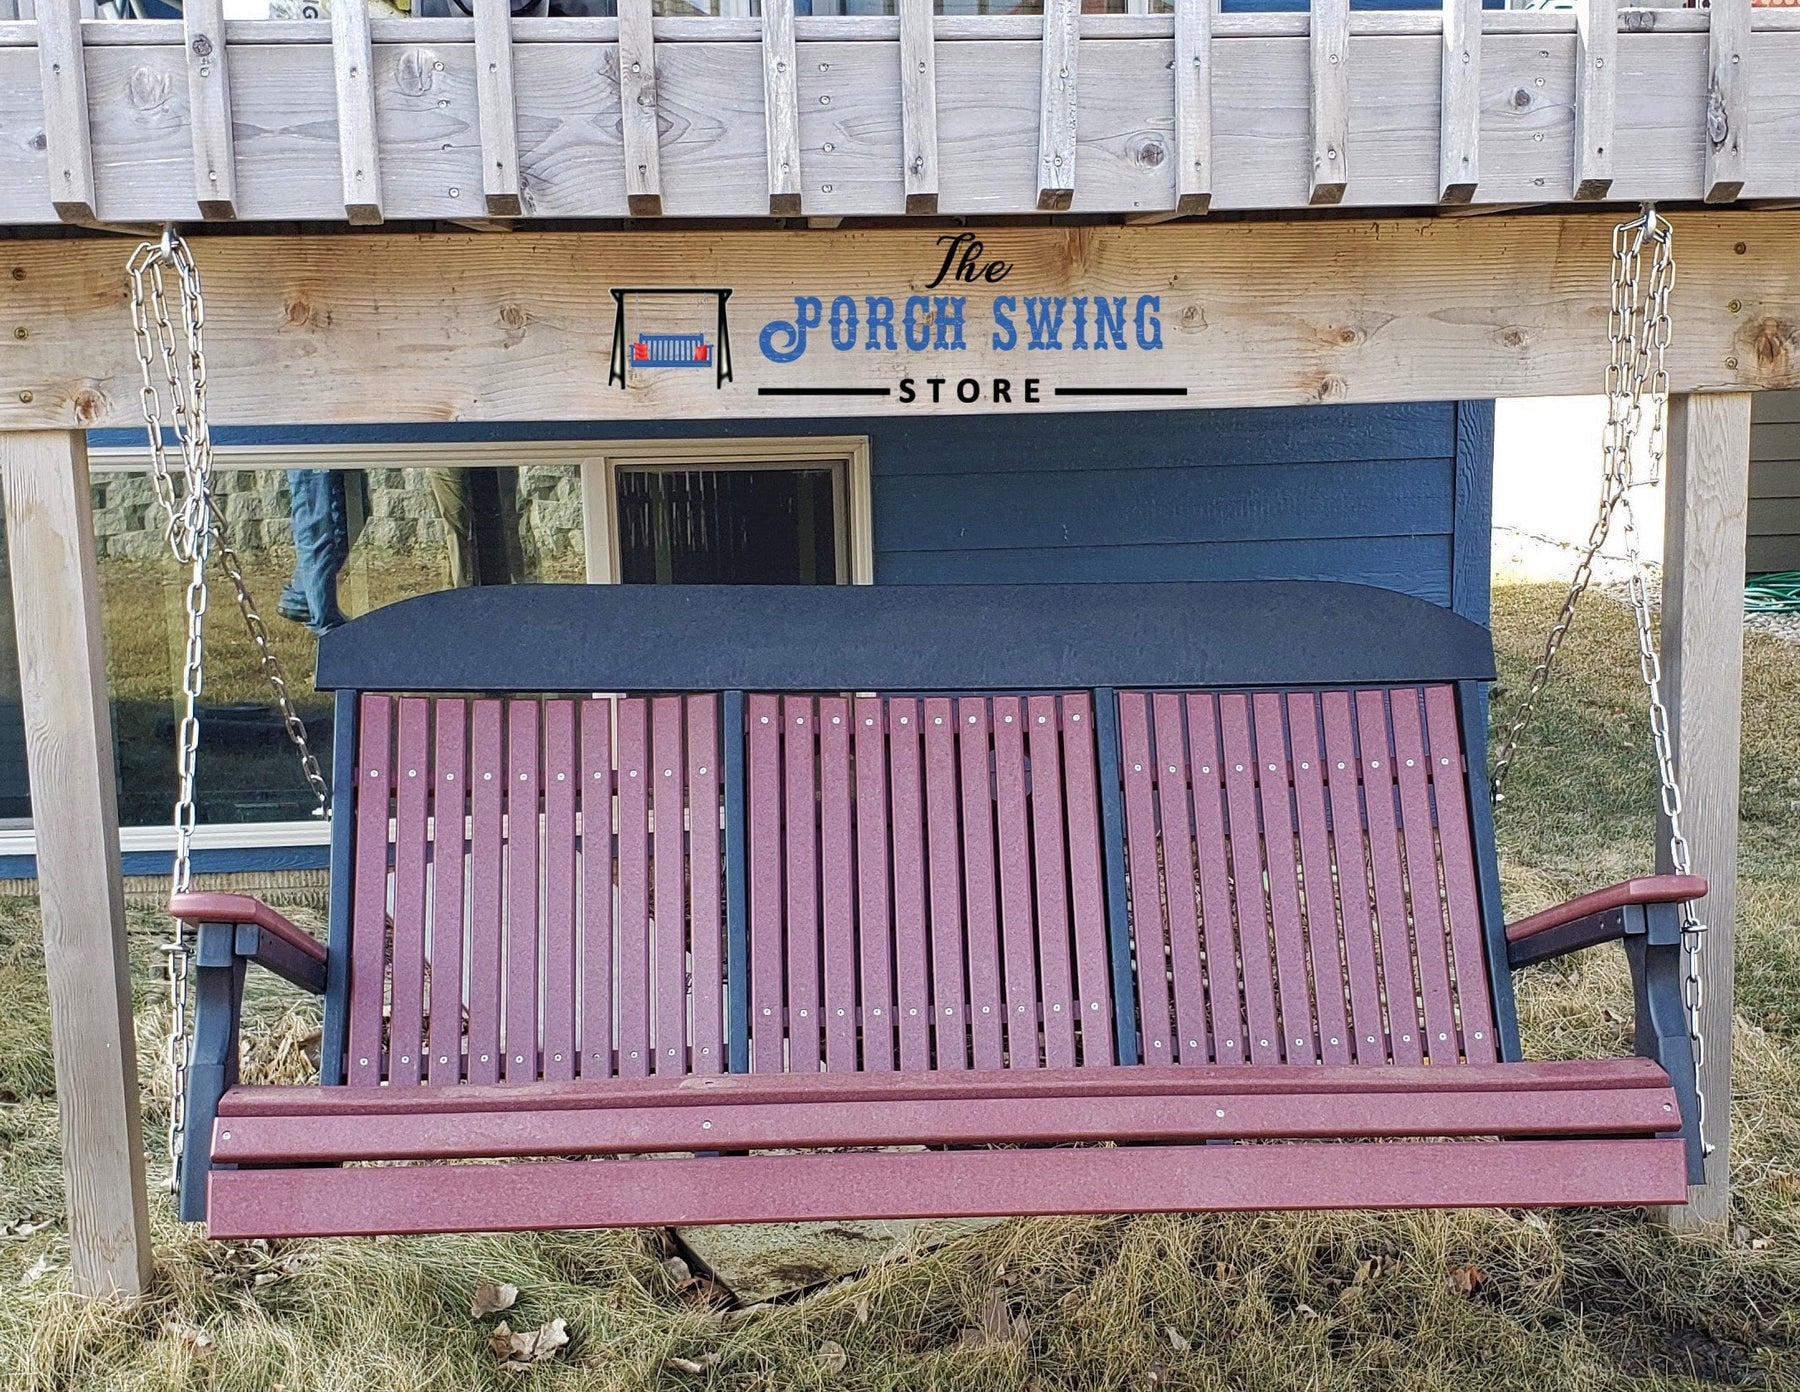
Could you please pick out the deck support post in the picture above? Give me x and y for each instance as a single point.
(74, 805)
(1703, 666)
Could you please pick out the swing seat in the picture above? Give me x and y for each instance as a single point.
(1111, 898)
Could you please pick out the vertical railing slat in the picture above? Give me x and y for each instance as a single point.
(781, 107)
(67, 146)
(1056, 106)
(209, 109)
(1727, 99)
(1330, 100)
(1193, 106)
(359, 156)
(1596, 92)
(918, 106)
(1459, 115)
(500, 184)
(638, 109)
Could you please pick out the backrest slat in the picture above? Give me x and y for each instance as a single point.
(1254, 938)
(412, 803)
(1323, 933)
(667, 776)
(912, 970)
(1393, 941)
(1206, 765)
(449, 808)
(523, 832)
(1461, 900)
(634, 888)
(981, 924)
(800, 922)
(1087, 883)
(1056, 970)
(1148, 901)
(562, 784)
(874, 886)
(943, 848)
(1013, 839)
(1350, 846)
(368, 961)
(837, 880)
(598, 849)
(1424, 890)
(706, 902)
(1274, 794)
(768, 999)
(487, 874)
(1187, 975)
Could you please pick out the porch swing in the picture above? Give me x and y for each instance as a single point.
(1140, 897)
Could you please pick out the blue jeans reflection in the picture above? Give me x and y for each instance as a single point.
(321, 522)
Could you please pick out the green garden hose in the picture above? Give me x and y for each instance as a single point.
(1775, 593)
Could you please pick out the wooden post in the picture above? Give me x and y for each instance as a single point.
(69, 751)
(918, 105)
(781, 107)
(62, 68)
(1193, 106)
(359, 152)
(1330, 31)
(1459, 118)
(496, 109)
(209, 105)
(1728, 99)
(1703, 666)
(1056, 106)
(1596, 95)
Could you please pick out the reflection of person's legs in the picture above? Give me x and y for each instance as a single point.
(494, 523)
(321, 526)
(450, 495)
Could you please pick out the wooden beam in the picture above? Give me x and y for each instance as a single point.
(638, 104)
(1057, 125)
(1330, 50)
(1459, 116)
(781, 107)
(1728, 99)
(69, 752)
(1596, 96)
(68, 150)
(1193, 106)
(1706, 499)
(359, 154)
(209, 109)
(497, 108)
(918, 106)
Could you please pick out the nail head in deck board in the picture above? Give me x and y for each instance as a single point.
(781, 107)
(1728, 99)
(1596, 95)
(209, 108)
(359, 154)
(69, 749)
(638, 106)
(1193, 106)
(1330, 100)
(918, 105)
(1057, 105)
(498, 111)
(1459, 118)
(62, 71)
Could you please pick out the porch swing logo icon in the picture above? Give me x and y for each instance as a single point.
(675, 327)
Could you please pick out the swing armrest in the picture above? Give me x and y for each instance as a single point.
(1593, 918)
(263, 936)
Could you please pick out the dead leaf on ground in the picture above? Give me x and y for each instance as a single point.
(677, 1270)
(831, 1357)
(691, 1365)
(1224, 1271)
(1372, 1269)
(517, 1352)
(491, 1298)
(36, 1271)
(198, 1343)
(1785, 1183)
(16, 1228)
(860, 1311)
(1157, 1375)
(1465, 1278)
(1306, 1311)
(1177, 1340)
(998, 1324)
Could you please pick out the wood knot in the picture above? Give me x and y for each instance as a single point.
(301, 313)
(1347, 337)
(1513, 337)
(89, 405)
(414, 72)
(1147, 150)
(1521, 98)
(147, 89)
(1331, 387)
(1775, 346)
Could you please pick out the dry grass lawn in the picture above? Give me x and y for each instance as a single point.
(1464, 1302)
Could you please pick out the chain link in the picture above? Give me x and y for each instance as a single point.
(1637, 387)
(196, 537)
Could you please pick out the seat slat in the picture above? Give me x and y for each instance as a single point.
(1049, 809)
(1142, 844)
(1175, 811)
(1393, 936)
(368, 964)
(837, 897)
(1087, 882)
(1261, 1014)
(912, 970)
(412, 806)
(523, 930)
(768, 1004)
(598, 854)
(943, 848)
(1012, 815)
(364, 1200)
(1322, 924)
(1274, 794)
(1207, 770)
(487, 880)
(1350, 849)
(800, 821)
(1424, 893)
(706, 897)
(562, 779)
(449, 876)
(634, 987)
(667, 775)
(1450, 798)
(981, 924)
(874, 879)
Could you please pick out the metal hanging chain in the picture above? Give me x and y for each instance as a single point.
(1637, 386)
(195, 532)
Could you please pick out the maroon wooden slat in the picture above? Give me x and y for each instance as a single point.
(1019, 1120)
(912, 969)
(523, 751)
(366, 1200)
(1187, 976)
(706, 898)
(634, 887)
(1056, 972)
(449, 807)
(1087, 887)
(412, 808)
(368, 922)
(1274, 798)
(1474, 991)
(487, 880)
(1142, 842)
(768, 1007)
(874, 884)
(1558, 1075)
(943, 848)
(800, 819)
(1261, 1014)
(1424, 894)
(1350, 846)
(1393, 939)
(837, 885)
(562, 777)
(669, 961)
(1322, 926)
(981, 922)
(598, 1059)
(1017, 929)
(1224, 999)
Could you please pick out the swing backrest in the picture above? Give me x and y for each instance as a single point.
(1264, 849)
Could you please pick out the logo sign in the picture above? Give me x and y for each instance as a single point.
(658, 327)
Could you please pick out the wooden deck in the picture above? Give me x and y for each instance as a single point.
(1136, 116)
